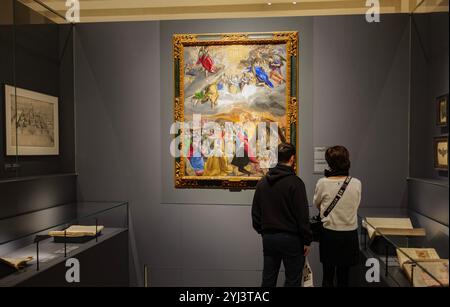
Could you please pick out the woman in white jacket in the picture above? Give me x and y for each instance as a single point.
(339, 246)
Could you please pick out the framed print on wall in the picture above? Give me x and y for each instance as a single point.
(442, 111)
(441, 153)
(32, 125)
(228, 80)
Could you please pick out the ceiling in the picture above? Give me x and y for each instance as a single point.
(136, 10)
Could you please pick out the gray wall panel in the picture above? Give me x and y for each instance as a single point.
(429, 198)
(123, 86)
(118, 132)
(437, 233)
(361, 100)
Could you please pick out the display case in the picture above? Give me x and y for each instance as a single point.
(37, 99)
(34, 242)
(409, 255)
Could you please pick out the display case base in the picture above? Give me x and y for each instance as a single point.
(380, 246)
(74, 240)
(6, 270)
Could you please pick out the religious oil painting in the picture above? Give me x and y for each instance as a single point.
(240, 84)
(31, 123)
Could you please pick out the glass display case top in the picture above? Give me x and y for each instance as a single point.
(109, 214)
(409, 255)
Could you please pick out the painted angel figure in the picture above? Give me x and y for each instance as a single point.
(276, 61)
(210, 93)
(205, 59)
(261, 76)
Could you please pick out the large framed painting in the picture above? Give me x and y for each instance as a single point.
(31, 120)
(441, 153)
(235, 100)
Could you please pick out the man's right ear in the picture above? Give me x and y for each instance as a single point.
(292, 160)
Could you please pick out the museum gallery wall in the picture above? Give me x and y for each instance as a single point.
(123, 82)
(204, 237)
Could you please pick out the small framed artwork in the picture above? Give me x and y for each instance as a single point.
(441, 153)
(32, 125)
(442, 111)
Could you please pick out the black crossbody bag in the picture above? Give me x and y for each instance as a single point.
(316, 222)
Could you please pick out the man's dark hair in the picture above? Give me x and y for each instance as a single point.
(285, 152)
(338, 158)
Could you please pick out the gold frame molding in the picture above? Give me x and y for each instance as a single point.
(180, 41)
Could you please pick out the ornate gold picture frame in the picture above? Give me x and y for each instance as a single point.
(237, 78)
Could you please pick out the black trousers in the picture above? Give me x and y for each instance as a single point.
(287, 248)
(339, 251)
(331, 271)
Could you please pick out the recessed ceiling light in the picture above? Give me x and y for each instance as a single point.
(294, 2)
(269, 3)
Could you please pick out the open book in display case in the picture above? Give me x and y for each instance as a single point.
(50, 236)
(408, 255)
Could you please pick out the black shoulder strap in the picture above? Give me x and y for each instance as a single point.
(338, 196)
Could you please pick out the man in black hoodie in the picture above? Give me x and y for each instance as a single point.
(280, 214)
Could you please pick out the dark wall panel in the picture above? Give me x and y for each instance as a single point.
(428, 188)
(18, 196)
(429, 79)
(22, 226)
(48, 70)
(6, 71)
(38, 57)
(31, 205)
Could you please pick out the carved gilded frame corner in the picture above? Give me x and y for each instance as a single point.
(180, 41)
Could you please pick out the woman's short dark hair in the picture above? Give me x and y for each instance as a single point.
(338, 158)
(285, 152)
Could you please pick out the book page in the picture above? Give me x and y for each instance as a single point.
(381, 222)
(77, 231)
(416, 254)
(17, 263)
(437, 268)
